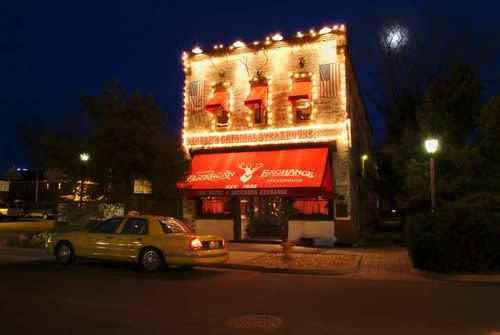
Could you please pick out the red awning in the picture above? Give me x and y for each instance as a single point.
(258, 94)
(300, 90)
(219, 100)
(277, 172)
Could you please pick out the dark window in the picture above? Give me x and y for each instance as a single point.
(259, 113)
(173, 226)
(107, 227)
(341, 209)
(302, 110)
(312, 208)
(222, 117)
(214, 207)
(136, 226)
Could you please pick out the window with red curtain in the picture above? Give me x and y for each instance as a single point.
(257, 101)
(312, 207)
(214, 207)
(300, 97)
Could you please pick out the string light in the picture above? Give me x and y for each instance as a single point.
(325, 30)
(277, 37)
(197, 50)
(303, 134)
(238, 44)
(286, 131)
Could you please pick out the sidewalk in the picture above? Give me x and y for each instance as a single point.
(269, 258)
(346, 261)
(388, 263)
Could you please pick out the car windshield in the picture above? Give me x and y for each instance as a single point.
(174, 226)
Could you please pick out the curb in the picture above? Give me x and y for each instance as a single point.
(264, 269)
(464, 278)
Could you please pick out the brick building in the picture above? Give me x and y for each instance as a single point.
(279, 140)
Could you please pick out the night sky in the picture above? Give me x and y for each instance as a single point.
(52, 52)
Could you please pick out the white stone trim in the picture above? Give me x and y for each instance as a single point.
(219, 227)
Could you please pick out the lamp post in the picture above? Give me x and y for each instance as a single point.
(364, 158)
(431, 146)
(84, 158)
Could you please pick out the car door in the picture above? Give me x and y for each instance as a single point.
(175, 232)
(130, 239)
(101, 238)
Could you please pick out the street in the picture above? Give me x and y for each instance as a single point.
(38, 296)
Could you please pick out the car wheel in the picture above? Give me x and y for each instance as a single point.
(150, 260)
(64, 253)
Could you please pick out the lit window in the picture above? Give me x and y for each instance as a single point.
(214, 207)
(257, 101)
(218, 105)
(259, 113)
(302, 110)
(307, 207)
(222, 117)
(300, 98)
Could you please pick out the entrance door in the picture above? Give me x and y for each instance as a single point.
(267, 218)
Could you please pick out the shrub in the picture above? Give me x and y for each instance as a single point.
(457, 238)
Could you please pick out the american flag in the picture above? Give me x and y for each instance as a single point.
(329, 80)
(196, 95)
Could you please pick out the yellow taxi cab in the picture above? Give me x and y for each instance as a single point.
(150, 241)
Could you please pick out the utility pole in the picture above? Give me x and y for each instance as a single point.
(37, 186)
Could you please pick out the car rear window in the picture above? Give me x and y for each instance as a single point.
(174, 226)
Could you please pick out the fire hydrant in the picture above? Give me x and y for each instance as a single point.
(287, 249)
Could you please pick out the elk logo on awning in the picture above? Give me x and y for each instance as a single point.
(249, 171)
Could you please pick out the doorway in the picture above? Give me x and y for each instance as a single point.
(263, 218)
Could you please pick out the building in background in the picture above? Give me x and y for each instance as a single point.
(279, 140)
(36, 186)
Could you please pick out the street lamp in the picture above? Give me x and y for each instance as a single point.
(84, 158)
(364, 158)
(431, 146)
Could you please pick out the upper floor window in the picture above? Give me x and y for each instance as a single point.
(300, 98)
(257, 103)
(218, 105)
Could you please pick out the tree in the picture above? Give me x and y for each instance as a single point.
(126, 137)
(489, 139)
(451, 105)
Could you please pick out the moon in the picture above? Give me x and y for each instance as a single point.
(395, 37)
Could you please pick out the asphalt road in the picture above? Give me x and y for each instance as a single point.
(95, 298)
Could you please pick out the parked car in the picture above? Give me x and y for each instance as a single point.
(12, 210)
(149, 241)
(41, 213)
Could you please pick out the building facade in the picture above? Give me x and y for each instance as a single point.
(278, 138)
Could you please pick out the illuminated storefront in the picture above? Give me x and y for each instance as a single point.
(272, 129)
